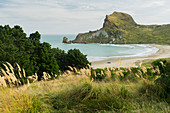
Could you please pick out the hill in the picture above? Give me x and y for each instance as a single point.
(120, 28)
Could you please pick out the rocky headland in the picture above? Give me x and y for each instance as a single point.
(120, 28)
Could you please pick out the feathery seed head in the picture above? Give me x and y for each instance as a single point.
(162, 63)
(144, 69)
(6, 67)
(75, 70)
(19, 68)
(3, 82)
(23, 72)
(121, 73)
(108, 73)
(89, 66)
(94, 72)
(140, 64)
(102, 73)
(70, 68)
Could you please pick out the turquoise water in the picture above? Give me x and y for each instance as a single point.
(97, 52)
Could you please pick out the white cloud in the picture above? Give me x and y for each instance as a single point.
(74, 16)
(155, 3)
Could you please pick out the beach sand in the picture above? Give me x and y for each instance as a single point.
(163, 52)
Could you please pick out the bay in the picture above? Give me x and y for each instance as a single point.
(98, 52)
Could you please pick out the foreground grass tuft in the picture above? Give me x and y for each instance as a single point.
(19, 102)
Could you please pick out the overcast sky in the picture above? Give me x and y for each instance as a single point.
(75, 16)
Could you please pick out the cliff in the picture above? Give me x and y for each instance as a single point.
(121, 28)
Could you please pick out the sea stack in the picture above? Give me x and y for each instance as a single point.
(65, 40)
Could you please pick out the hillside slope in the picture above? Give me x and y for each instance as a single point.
(120, 28)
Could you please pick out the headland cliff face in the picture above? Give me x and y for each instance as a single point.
(120, 28)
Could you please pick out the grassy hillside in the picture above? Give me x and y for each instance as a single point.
(129, 90)
(123, 29)
(147, 34)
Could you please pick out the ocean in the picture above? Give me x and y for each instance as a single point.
(98, 52)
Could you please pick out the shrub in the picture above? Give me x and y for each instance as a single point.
(161, 63)
(76, 59)
(73, 58)
(164, 80)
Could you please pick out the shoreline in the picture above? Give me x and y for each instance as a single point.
(163, 52)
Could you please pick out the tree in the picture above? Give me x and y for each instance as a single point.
(33, 56)
(73, 58)
(77, 59)
(61, 58)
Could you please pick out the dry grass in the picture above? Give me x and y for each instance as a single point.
(11, 78)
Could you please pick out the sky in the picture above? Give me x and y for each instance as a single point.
(78, 16)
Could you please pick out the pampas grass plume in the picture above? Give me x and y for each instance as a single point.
(70, 68)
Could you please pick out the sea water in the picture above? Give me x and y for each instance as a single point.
(98, 52)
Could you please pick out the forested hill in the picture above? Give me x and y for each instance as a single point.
(33, 56)
(121, 28)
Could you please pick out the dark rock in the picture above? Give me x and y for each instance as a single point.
(65, 40)
(69, 42)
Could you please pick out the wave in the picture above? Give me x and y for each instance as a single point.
(147, 52)
(142, 45)
(119, 45)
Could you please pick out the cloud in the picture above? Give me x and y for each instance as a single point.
(74, 16)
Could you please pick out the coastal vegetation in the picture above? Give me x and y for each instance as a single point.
(131, 89)
(34, 56)
(120, 28)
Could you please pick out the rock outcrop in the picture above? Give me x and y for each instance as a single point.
(115, 21)
(91, 35)
(65, 40)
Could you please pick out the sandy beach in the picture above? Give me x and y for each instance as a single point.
(163, 52)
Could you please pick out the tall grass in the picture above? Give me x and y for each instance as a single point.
(17, 101)
(130, 89)
(12, 77)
